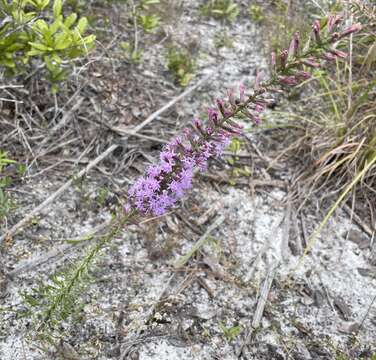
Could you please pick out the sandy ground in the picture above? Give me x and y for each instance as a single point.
(248, 292)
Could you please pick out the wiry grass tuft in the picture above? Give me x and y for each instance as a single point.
(336, 122)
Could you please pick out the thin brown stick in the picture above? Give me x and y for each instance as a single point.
(12, 231)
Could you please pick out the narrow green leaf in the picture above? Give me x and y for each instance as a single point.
(57, 8)
(69, 21)
(82, 24)
(40, 46)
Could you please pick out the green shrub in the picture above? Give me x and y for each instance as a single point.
(181, 64)
(256, 13)
(221, 9)
(35, 31)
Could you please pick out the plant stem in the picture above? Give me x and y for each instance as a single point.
(117, 225)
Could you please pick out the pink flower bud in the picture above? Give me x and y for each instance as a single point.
(333, 20)
(274, 90)
(187, 133)
(294, 45)
(259, 108)
(352, 29)
(231, 96)
(302, 75)
(283, 57)
(256, 120)
(127, 208)
(213, 116)
(176, 141)
(329, 56)
(221, 106)
(311, 63)
(339, 53)
(316, 30)
(197, 123)
(287, 80)
(227, 113)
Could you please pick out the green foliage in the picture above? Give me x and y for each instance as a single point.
(58, 298)
(5, 202)
(256, 13)
(221, 9)
(230, 333)
(101, 196)
(131, 54)
(149, 23)
(222, 39)
(4, 161)
(181, 64)
(237, 169)
(143, 18)
(38, 30)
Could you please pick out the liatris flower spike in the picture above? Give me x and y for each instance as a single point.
(166, 182)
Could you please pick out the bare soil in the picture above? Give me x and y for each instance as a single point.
(250, 292)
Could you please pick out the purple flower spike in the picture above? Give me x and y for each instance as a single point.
(166, 182)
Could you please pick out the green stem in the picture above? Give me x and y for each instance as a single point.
(117, 226)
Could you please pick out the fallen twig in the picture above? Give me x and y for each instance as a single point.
(266, 286)
(55, 195)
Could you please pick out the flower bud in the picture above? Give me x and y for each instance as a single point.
(288, 80)
(221, 106)
(257, 120)
(339, 54)
(213, 117)
(311, 63)
(127, 208)
(333, 20)
(352, 29)
(283, 57)
(316, 30)
(302, 75)
(294, 45)
(329, 56)
(231, 96)
(187, 133)
(197, 123)
(257, 81)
